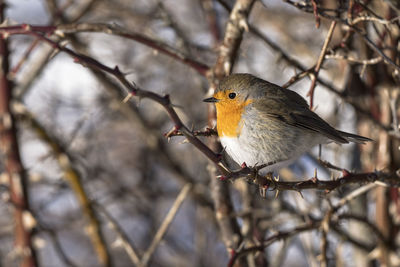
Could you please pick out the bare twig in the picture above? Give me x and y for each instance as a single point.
(126, 244)
(206, 132)
(233, 36)
(270, 240)
(107, 29)
(165, 224)
(23, 59)
(353, 194)
(319, 62)
(371, 61)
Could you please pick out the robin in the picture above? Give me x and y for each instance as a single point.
(259, 122)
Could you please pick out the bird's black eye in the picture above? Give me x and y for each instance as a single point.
(232, 95)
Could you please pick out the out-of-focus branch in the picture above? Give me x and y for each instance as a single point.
(13, 168)
(73, 178)
(235, 27)
(270, 240)
(319, 62)
(165, 224)
(107, 29)
(123, 238)
(371, 61)
(210, 12)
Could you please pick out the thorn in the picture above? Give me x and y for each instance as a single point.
(244, 165)
(300, 194)
(166, 97)
(315, 173)
(127, 97)
(26, 27)
(185, 141)
(222, 177)
(116, 69)
(172, 132)
(263, 191)
(345, 172)
(232, 252)
(276, 194)
(178, 127)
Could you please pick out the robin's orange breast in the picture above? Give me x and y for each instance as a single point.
(229, 114)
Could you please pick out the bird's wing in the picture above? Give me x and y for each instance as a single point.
(289, 107)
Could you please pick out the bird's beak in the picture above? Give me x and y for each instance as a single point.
(211, 100)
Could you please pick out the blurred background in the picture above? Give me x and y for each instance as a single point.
(96, 167)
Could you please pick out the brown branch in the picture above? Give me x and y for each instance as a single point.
(315, 10)
(233, 36)
(23, 59)
(13, 167)
(207, 132)
(349, 178)
(107, 29)
(319, 62)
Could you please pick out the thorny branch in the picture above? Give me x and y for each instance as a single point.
(61, 30)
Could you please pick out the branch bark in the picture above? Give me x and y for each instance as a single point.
(14, 170)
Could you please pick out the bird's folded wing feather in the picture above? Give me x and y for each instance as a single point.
(289, 107)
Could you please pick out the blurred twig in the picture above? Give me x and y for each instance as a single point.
(74, 179)
(165, 224)
(107, 29)
(320, 61)
(126, 244)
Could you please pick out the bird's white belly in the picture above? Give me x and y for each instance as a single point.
(241, 153)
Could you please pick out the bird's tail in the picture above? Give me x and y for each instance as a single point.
(355, 138)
